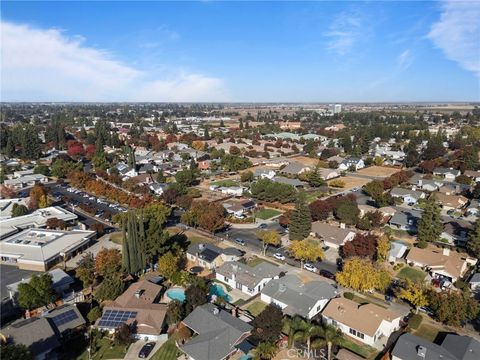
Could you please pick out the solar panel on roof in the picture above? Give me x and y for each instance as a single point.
(64, 318)
(114, 318)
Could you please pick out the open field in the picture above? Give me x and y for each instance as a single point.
(380, 171)
(306, 160)
(225, 183)
(351, 182)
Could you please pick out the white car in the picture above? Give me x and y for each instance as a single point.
(310, 267)
(279, 256)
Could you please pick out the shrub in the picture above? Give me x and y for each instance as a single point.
(397, 266)
(337, 183)
(94, 314)
(348, 295)
(415, 321)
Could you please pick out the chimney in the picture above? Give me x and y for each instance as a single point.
(446, 252)
(215, 311)
(138, 293)
(421, 351)
(282, 287)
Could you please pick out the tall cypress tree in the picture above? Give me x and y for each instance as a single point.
(300, 220)
(125, 249)
(430, 225)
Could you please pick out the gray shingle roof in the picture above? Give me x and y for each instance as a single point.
(247, 275)
(462, 347)
(299, 297)
(218, 333)
(408, 346)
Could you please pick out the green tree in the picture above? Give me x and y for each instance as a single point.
(15, 352)
(37, 292)
(430, 225)
(110, 288)
(195, 295)
(314, 178)
(169, 264)
(453, 308)
(265, 351)
(347, 212)
(19, 210)
(267, 326)
(300, 220)
(246, 176)
(174, 312)
(94, 314)
(473, 244)
(86, 269)
(329, 335)
(42, 169)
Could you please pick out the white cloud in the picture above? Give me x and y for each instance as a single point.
(457, 33)
(405, 59)
(344, 32)
(46, 65)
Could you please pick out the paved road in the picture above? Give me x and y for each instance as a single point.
(255, 245)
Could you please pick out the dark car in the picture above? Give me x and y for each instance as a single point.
(240, 241)
(327, 274)
(146, 350)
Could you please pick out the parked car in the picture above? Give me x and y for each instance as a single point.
(426, 310)
(327, 274)
(146, 350)
(262, 226)
(279, 256)
(240, 241)
(310, 267)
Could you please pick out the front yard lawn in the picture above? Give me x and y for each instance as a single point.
(414, 275)
(265, 214)
(363, 350)
(117, 237)
(254, 261)
(256, 307)
(428, 332)
(168, 351)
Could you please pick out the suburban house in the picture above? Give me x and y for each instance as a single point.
(40, 249)
(332, 236)
(456, 232)
(239, 208)
(407, 195)
(264, 173)
(61, 283)
(295, 168)
(158, 188)
(231, 190)
(453, 347)
(219, 334)
(406, 220)
(440, 263)
(366, 323)
(297, 298)
(327, 174)
(137, 305)
(44, 335)
(473, 209)
(250, 280)
(26, 180)
(287, 181)
(429, 185)
(451, 202)
(397, 251)
(447, 173)
(474, 282)
(211, 256)
(474, 175)
(357, 163)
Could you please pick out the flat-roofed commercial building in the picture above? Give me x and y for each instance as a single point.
(39, 249)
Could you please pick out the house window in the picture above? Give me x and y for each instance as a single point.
(319, 307)
(353, 332)
(360, 335)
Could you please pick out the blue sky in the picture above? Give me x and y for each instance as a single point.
(240, 51)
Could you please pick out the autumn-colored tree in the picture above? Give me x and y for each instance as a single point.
(414, 293)
(383, 247)
(37, 192)
(269, 237)
(362, 275)
(108, 261)
(7, 192)
(169, 264)
(306, 250)
(55, 223)
(198, 145)
(362, 245)
(320, 209)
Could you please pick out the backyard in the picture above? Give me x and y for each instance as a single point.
(256, 307)
(409, 273)
(265, 214)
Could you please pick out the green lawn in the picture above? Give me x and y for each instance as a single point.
(256, 307)
(267, 213)
(314, 195)
(411, 274)
(117, 237)
(106, 351)
(168, 351)
(368, 300)
(254, 261)
(225, 183)
(363, 350)
(428, 332)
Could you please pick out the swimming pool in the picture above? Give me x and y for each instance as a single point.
(176, 294)
(217, 290)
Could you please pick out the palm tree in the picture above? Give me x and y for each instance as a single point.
(330, 336)
(291, 326)
(265, 351)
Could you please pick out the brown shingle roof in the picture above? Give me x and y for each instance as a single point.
(364, 318)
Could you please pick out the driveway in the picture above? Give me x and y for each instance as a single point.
(134, 349)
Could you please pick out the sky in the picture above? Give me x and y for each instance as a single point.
(229, 51)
